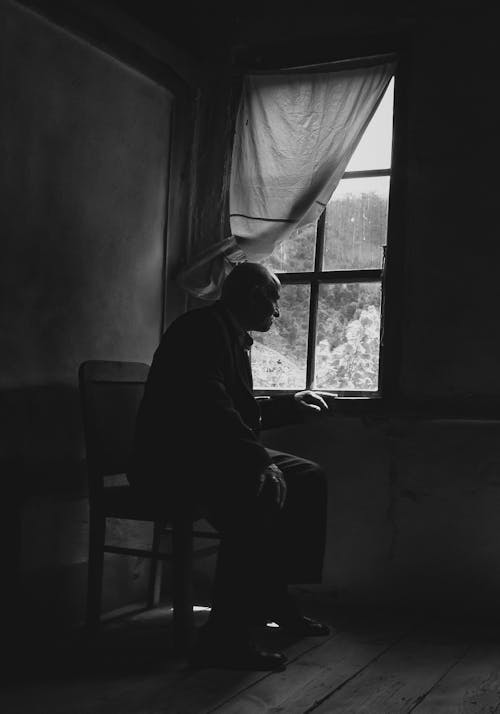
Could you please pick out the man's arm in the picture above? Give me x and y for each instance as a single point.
(291, 408)
(200, 356)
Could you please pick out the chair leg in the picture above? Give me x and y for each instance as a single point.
(155, 568)
(97, 530)
(183, 583)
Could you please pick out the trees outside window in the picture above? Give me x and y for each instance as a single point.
(329, 333)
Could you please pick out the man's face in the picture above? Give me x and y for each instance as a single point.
(265, 306)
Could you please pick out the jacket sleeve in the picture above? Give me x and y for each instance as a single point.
(197, 361)
(279, 411)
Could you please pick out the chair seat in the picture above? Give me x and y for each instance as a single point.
(127, 502)
(124, 502)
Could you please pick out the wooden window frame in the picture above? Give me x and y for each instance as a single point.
(317, 276)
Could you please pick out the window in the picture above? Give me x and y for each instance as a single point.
(329, 333)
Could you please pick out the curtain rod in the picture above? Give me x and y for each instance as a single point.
(351, 63)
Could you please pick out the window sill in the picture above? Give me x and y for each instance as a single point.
(382, 408)
(340, 404)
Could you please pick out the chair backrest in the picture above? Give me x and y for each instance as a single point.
(110, 395)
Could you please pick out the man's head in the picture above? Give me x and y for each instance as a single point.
(252, 293)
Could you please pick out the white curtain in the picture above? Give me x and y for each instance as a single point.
(295, 134)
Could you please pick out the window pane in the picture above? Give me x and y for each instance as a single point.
(356, 224)
(295, 254)
(374, 149)
(348, 336)
(279, 356)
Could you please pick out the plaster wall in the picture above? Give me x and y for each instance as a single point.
(450, 345)
(412, 512)
(84, 182)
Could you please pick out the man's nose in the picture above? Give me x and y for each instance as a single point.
(276, 312)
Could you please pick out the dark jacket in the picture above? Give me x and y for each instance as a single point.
(198, 412)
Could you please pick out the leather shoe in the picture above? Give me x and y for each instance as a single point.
(303, 626)
(235, 655)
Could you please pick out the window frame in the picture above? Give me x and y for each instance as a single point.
(317, 276)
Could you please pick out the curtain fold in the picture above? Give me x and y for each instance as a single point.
(295, 134)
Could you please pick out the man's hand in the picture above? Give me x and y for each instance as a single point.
(273, 478)
(312, 401)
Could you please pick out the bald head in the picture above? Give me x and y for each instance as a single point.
(252, 292)
(243, 279)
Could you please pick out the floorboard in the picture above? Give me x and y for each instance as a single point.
(471, 687)
(395, 682)
(312, 676)
(208, 690)
(370, 664)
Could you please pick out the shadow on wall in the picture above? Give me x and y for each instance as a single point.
(41, 461)
(45, 522)
(413, 510)
(43, 444)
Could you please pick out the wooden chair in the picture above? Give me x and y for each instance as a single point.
(110, 395)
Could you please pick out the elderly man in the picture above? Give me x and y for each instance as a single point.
(197, 440)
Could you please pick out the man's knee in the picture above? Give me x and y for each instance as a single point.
(310, 470)
(314, 468)
(317, 477)
(305, 478)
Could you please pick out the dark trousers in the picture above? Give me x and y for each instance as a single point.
(263, 548)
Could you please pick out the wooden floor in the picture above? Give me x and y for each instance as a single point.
(371, 663)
